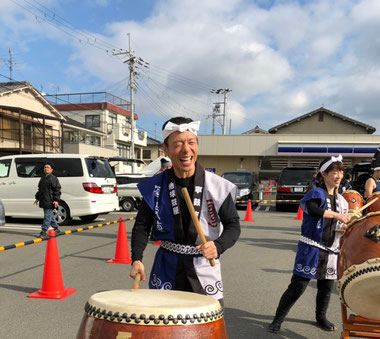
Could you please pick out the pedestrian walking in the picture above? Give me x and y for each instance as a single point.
(47, 197)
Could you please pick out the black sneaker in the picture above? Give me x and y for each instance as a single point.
(43, 234)
(57, 231)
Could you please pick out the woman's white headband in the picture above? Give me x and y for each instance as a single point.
(333, 159)
(170, 128)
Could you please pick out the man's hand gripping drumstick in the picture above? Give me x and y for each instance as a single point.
(208, 248)
(137, 273)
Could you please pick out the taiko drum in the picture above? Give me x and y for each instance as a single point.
(143, 314)
(354, 199)
(375, 207)
(359, 266)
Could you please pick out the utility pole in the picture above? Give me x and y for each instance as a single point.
(223, 91)
(131, 62)
(10, 63)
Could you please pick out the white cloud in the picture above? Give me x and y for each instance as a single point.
(280, 61)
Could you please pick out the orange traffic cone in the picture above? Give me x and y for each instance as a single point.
(248, 213)
(157, 243)
(299, 214)
(52, 282)
(122, 250)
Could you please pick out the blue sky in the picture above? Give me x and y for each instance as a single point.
(281, 58)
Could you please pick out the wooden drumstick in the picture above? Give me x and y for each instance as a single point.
(366, 205)
(137, 281)
(195, 219)
(358, 211)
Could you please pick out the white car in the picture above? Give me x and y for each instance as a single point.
(2, 214)
(88, 185)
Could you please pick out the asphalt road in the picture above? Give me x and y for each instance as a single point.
(256, 271)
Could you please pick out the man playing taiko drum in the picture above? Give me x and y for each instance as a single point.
(181, 262)
(325, 210)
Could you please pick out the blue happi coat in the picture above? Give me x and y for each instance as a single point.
(306, 262)
(209, 194)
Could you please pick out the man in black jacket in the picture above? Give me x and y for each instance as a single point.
(49, 192)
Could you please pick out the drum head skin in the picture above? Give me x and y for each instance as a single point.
(154, 307)
(359, 289)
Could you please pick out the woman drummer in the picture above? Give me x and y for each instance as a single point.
(325, 210)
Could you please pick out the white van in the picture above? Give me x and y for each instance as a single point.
(88, 185)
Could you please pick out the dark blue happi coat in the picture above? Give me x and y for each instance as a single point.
(306, 261)
(155, 192)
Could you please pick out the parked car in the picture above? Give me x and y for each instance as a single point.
(293, 184)
(248, 186)
(2, 214)
(127, 191)
(88, 185)
(360, 173)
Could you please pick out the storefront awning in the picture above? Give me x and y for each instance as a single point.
(326, 150)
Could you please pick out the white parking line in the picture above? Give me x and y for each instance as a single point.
(267, 209)
(257, 208)
(21, 227)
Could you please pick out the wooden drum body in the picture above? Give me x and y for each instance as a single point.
(354, 199)
(138, 314)
(359, 266)
(375, 207)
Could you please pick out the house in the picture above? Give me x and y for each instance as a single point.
(153, 150)
(256, 130)
(322, 121)
(304, 140)
(100, 120)
(28, 122)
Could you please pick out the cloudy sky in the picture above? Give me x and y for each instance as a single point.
(281, 59)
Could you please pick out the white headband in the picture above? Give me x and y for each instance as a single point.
(333, 159)
(170, 128)
(376, 169)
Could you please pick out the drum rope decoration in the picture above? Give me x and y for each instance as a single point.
(359, 266)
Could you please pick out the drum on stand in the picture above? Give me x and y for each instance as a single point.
(359, 266)
(375, 207)
(354, 199)
(142, 314)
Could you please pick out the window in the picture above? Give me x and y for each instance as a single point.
(112, 119)
(320, 116)
(5, 165)
(124, 150)
(63, 167)
(98, 168)
(10, 129)
(92, 121)
(30, 167)
(70, 136)
(147, 153)
(67, 167)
